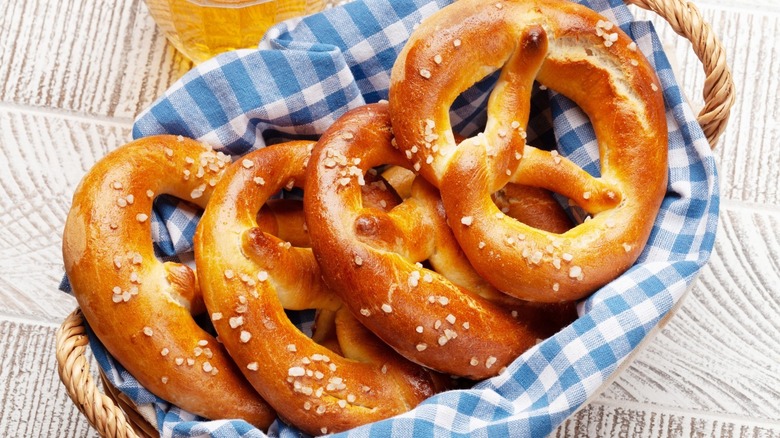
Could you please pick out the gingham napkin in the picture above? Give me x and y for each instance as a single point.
(308, 72)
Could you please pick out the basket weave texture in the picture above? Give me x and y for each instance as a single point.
(113, 415)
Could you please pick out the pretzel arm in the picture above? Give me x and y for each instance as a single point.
(381, 230)
(294, 272)
(551, 171)
(284, 218)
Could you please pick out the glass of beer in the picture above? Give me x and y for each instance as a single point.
(201, 29)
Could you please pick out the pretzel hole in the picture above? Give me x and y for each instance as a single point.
(176, 253)
(204, 322)
(468, 113)
(261, 245)
(170, 241)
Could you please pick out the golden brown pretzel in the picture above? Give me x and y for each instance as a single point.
(249, 277)
(139, 307)
(532, 206)
(567, 48)
(372, 258)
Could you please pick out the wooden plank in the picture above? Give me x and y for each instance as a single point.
(626, 419)
(36, 186)
(32, 398)
(765, 6)
(747, 153)
(720, 354)
(91, 57)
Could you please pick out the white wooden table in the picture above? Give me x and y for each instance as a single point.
(74, 73)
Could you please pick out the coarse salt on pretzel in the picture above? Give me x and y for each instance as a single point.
(249, 277)
(533, 206)
(567, 48)
(139, 307)
(530, 205)
(373, 258)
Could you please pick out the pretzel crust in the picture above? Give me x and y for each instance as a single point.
(139, 307)
(249, 277)
(569, 49)
(372, 259)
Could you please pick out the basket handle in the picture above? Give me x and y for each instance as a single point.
(686, 20)
(73, 368)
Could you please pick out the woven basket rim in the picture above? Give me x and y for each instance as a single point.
(114, 415)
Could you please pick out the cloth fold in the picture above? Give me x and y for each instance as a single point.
(307, 72)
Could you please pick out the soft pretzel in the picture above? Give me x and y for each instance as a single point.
(373, 258)
(249, 277)
(533, 206)
(530, 205)
(567, 48)
(139, 307)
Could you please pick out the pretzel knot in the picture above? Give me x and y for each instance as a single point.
(139, 307)
(572, 50)
(250, 276)
(373, 257)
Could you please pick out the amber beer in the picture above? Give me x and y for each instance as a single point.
(201, 29)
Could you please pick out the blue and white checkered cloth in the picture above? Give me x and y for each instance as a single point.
(307, 73)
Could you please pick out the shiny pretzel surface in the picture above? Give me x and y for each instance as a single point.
(374, 259)
(250, 276)
(139, 307)
(572, 50)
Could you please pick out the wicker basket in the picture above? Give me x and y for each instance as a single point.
(112, 414)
